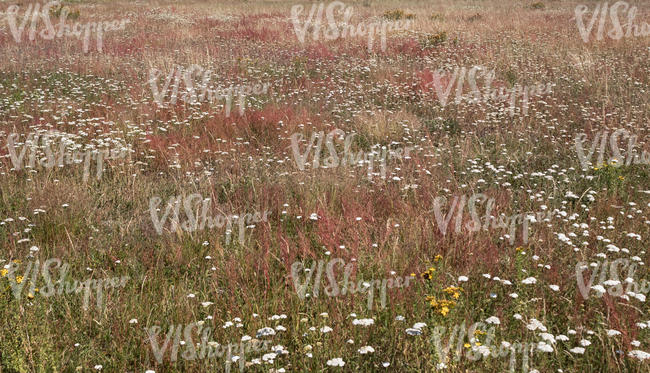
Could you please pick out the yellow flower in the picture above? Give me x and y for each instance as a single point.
(412, 274)
(4, 272)
(467, 345)
(30, 296)
(453, 291)
(428, 274)
(444, 311)
(19, 279)
(621, 178)
(437, 258)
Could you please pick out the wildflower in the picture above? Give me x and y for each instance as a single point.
(428, 274)
(453, 291)
(641, 355)
(529, 281)
(437, 258)
(577, 350)
(336, 362)
(413, 331)
(363, 322)
(366, 350)
(612, 333)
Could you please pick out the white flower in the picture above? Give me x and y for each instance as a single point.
(543, 346)
(584, 343)
(264, 332)
(363, 322)
(547, 337)
(419, 325)
(412, 331)
(493, 320)
(133, 321)
(385, 364)
(554, 287)
(441, 366)
(463, 279)
(337, 362)
(269, 357)
(149, 371)
(366, 349)
(326, 329)
(612, 333)
(641, 355)
(562, 338)
(534, 324)
(577, 350)
(599, 289)
(399, 318)
(98, 366)
(529, 281)
(517, 316)
(206, 304)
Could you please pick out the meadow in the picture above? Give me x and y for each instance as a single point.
(293, 186)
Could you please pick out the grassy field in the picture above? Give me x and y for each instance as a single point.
(483, 169)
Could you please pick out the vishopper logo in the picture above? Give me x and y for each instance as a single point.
(59, 287)
(205, 349)
(333, 289)
(381, 154)
(197, 210)
(442, 84)
(613, 285)
(341, 28)
(197, 91)
(34, 11)
(476, 223)
(600, 142)
(41, 153)
(476, 343)
(616, 32)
